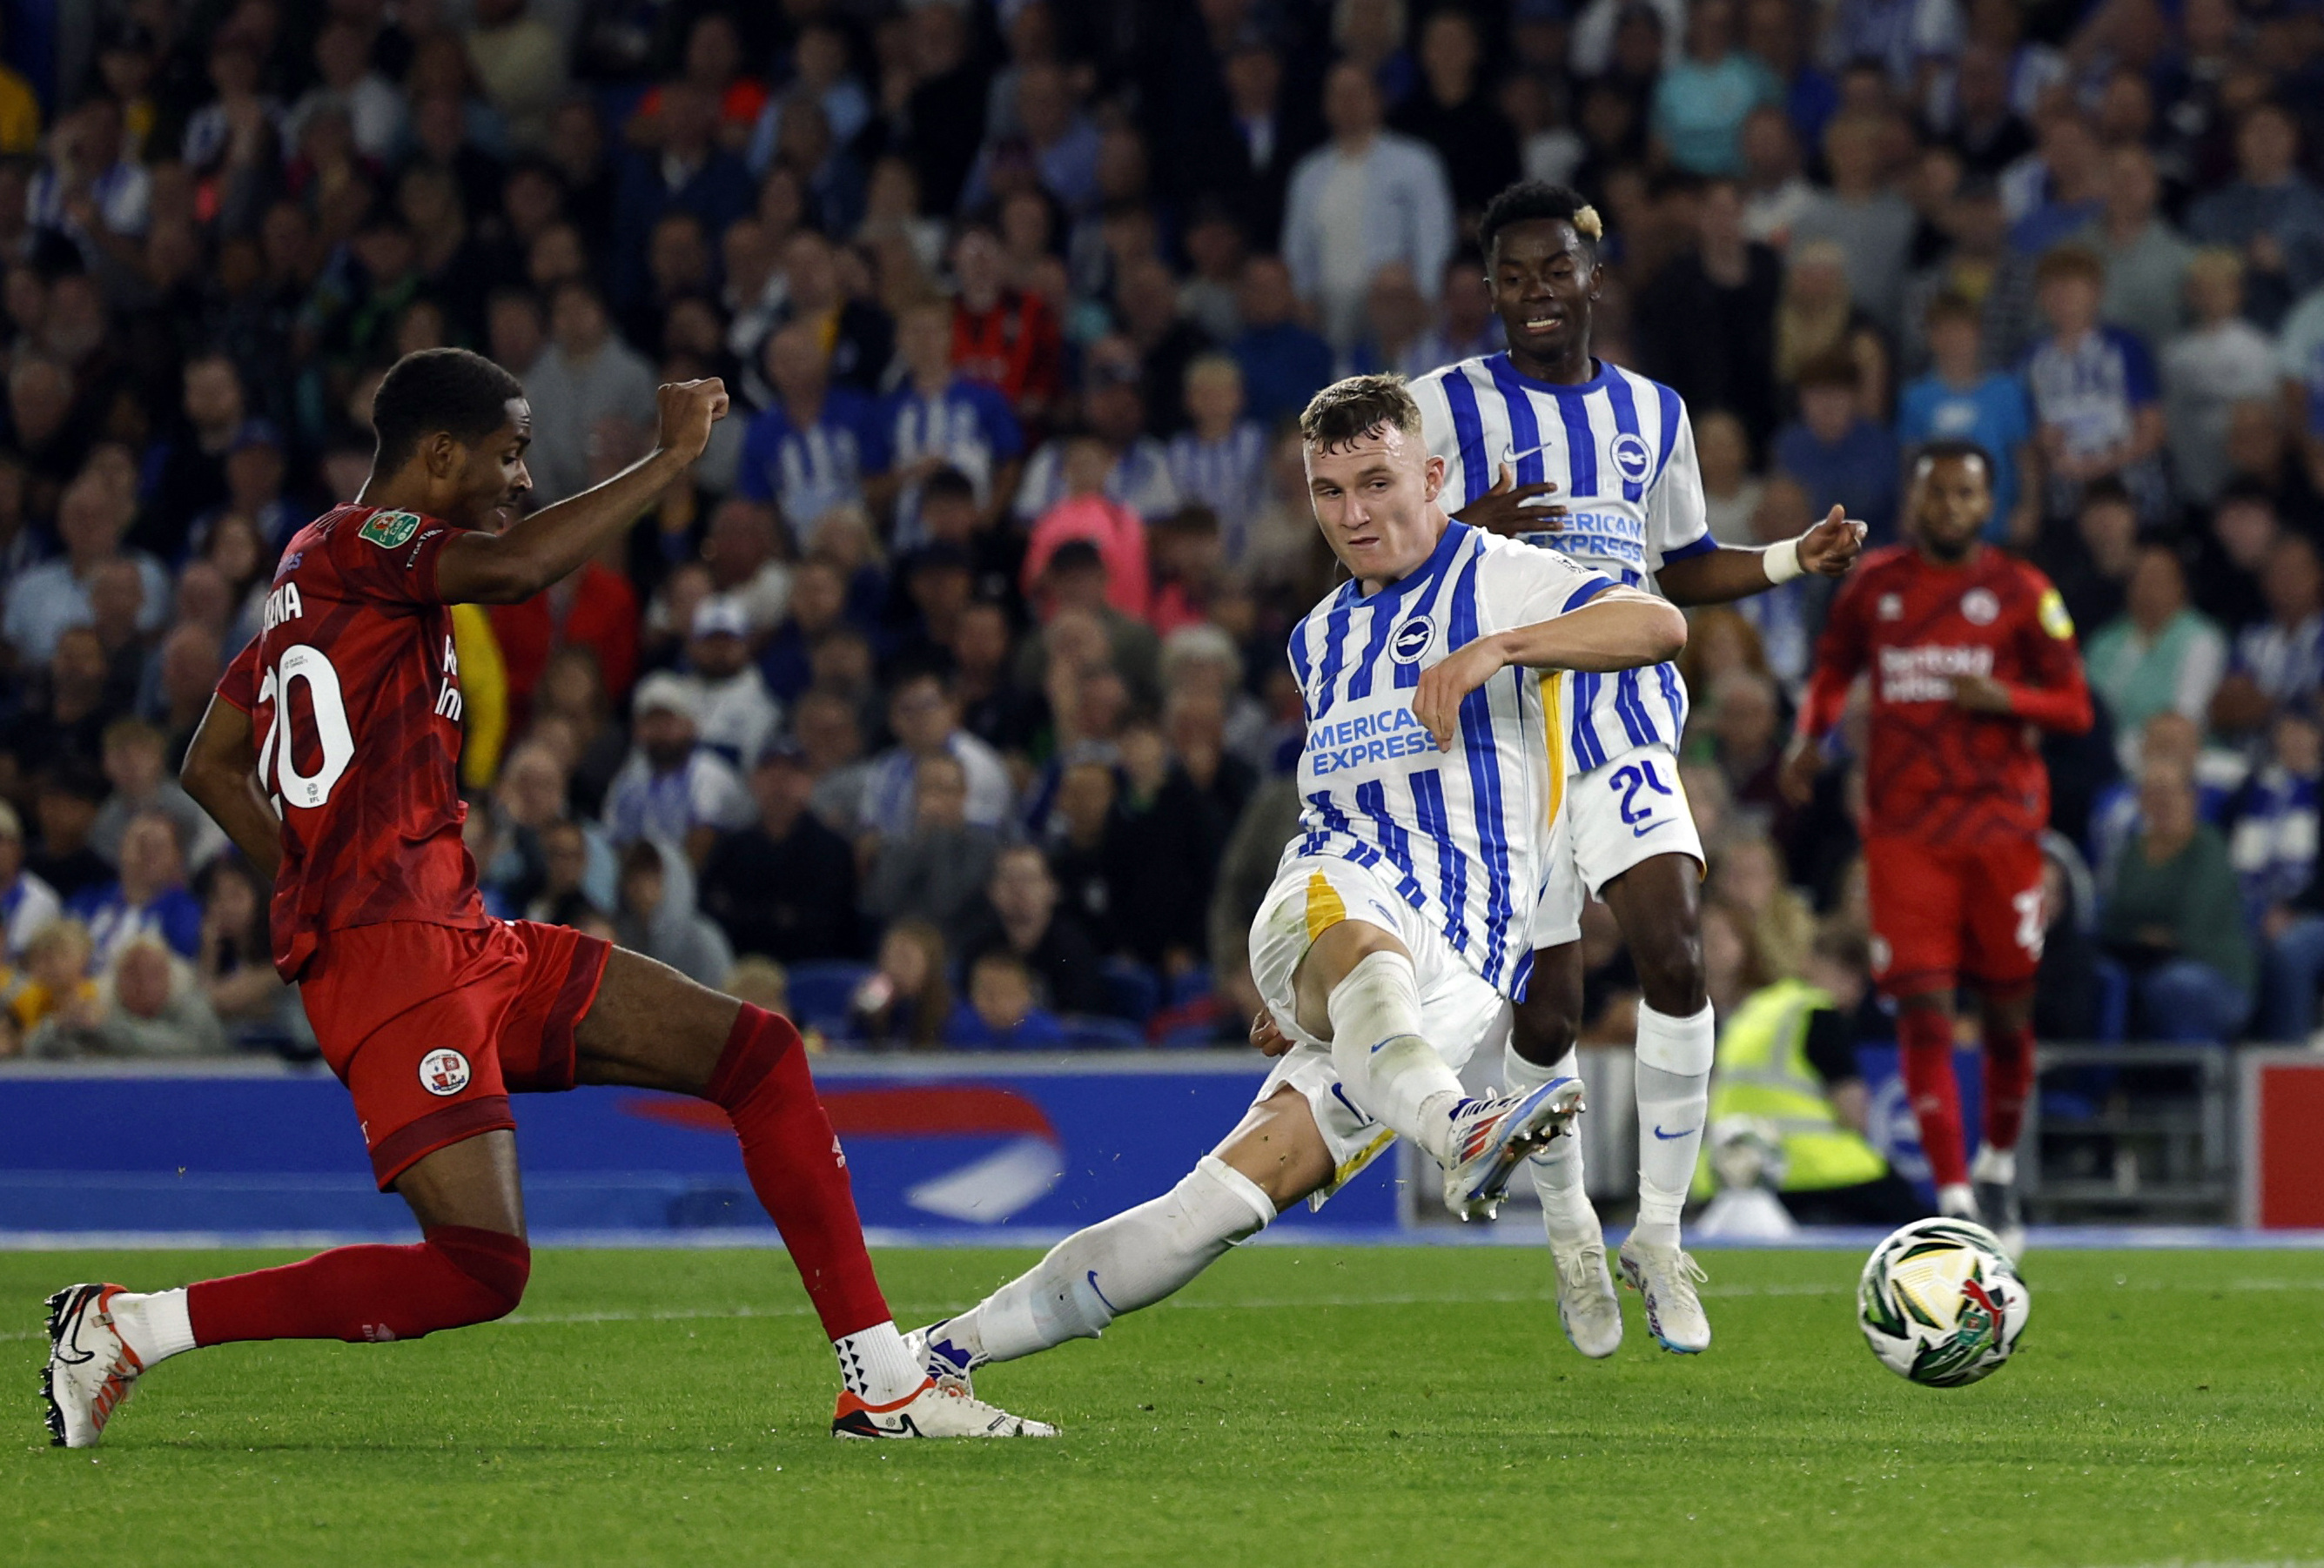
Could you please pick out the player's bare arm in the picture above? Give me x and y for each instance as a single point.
(1620, 630)
(1728, 573)
(219, 774)
(512, 566)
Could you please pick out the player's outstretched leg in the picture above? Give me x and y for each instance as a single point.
(1357, 988)
(2007, 1020)
(471, 1268)
(1273, 1159)
(1925, 1052)
(1540, 1051)
(651, 1027)
(1657, 903)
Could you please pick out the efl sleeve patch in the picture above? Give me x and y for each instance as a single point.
(390, 530)
(2053, 617)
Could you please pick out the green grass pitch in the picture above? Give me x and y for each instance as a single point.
(1297, 1406)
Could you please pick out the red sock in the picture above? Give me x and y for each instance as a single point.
(457, 1277)
(1924, 1042)
(796, 1167)
(2009, 1080)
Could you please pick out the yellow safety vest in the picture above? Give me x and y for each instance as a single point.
(1762, 1069)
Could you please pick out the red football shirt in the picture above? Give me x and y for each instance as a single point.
(1933, 772)
(353, 690)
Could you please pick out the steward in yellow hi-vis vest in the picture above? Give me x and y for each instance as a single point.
(1787, 1057)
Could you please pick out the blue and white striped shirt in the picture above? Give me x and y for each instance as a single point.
(1621, 450)
(1460, 834)
(1228, 475)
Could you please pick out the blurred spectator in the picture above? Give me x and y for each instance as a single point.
(1775, 192)
(2173, 917)
(1367, 198)
(2095, 397)
(69, 726)
(1283, 362)
(66, 798)
(28, 905)
(135, 766)
(1136, 472)
(1021, 917)
(685, 168)
(938, 419)
(45, 599)
(657, 914)
(529, 804)
(1977, 265)
(738, 714)
(1083, 812)
(938, 868)
(1747, 880)
(2280, 658)
(2221, 360)
(1871, 224)
(1839, 456)
(1088, 533)
(2160, 655)
(854, 336)
(150, 896)
(519, 62)
(924, 715)
(586, 375)
(2060, 188)
(906, 999)
(1003, 1012)
(2066, 983)
(2230, 554)
(1002, 336)
(2271, 842)
(785, 885)
(1730, 490)
(55, 981)
(673, 787)
(1453, 113)
(1959, 401)
(812, 449)
(816, 606)
(2091, 565)
(1221, 460)
(1159, 852)
(1706, 322)
(1814, 317)
(1701, 102)
(2270, 213)
(1189, 569)
(148, 1004)
(236, 964)
(1049, 137)
(1745, 725)
(2145, 259)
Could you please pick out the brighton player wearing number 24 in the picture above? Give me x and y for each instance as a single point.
(1970, 656)
(329, 753)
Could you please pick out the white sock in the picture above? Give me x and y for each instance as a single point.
(1956, 1201)
(155, 1326)
(1383, 1063)
(1131, 1261)
(1565, 1210)
(1674, 1079)
(876, 1367)
(1995, 1164)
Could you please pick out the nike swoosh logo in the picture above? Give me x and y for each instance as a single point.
(1668, 1137)
(1110, 1307)
(1650, 827)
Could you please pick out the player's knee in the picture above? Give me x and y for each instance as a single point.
(1671, 976)
(1544, 1029)
(498, 1266)
(756, 1044)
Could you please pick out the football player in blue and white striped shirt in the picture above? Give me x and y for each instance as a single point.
(1399, 929)
(1544, 419)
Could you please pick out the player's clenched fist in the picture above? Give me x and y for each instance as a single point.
(1436, 701)
(689, 409)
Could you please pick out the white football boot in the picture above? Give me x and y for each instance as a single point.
(91, 1371)
(1664, 1278)
(933, 1410)
(1493, 1134)
(941, 1357)
(1587, 1307)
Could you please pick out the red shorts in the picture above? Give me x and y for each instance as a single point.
(432, 1027)
(1943, 915)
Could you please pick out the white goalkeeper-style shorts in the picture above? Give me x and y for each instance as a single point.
(1628, 809)
(1459, 1012)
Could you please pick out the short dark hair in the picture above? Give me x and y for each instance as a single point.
(2070, 261)
(1953, 447)
(2106, 490)
(1354, 407)
(950, 482)
(1532, 199)
(1950, 305)
(455, 391)
(1835, 367)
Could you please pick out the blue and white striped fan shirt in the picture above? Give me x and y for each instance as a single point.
(1460, 834)
(1621, 450)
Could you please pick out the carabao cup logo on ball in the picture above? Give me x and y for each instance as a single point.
(443, 1072)
(1631, 458)
(1412, 639)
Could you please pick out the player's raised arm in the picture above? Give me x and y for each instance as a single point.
(510, 567)
(1731, 571)
(221, 773)
(1619, 629)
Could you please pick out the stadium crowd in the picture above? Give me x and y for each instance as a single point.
(949, 702)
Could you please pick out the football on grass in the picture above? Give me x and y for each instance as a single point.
(1941, 1303)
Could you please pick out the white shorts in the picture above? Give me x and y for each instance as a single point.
(1459, 1011)
(1628, 809)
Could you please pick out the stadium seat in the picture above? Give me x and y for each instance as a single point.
(820, 993)
(1132, 991)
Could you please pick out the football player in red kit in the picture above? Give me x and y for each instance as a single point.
(1970, 656)
(329, 754)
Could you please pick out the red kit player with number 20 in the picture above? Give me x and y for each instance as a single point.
(328, 755)
(1970, 656)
